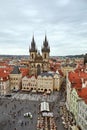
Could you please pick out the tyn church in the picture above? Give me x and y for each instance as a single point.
(39, 63)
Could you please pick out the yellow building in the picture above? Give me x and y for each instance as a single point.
(67, 68)
(45, 82)
(48, 81)
(29, 83)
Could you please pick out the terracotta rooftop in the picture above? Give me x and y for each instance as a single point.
(77, 79)
(83, 94)
(4, 76)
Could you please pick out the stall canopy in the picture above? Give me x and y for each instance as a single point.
(44, 107)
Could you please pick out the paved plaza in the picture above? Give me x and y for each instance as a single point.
(12, 114)
(35, 96)
(12, 110)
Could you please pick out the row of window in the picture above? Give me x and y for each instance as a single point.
(28, 88)
(15, 78)
(29, 85)
(14, 83)
(4, 87)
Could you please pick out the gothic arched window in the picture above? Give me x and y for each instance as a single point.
(45, 55)
(32, 56)
(38, 69)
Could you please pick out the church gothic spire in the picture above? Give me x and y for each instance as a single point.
(33, 45)
(45, 47)
(39, 63)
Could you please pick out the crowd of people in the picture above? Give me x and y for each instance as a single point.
(12, 114)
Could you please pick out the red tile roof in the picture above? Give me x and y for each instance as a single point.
(60, 71)
(4, 76)
(83, 93)
(24, 71)
(76, 79)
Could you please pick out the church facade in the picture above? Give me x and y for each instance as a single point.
(40, 78)
(39, 63)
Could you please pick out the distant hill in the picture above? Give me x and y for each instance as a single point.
(14, 56)
(27, 56)
(75, 56)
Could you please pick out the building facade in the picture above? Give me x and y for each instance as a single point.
(15, 79)
(29, 83)
(4, 83)
(74, 98)
(67, 68)
(45, 82)
(39, 63)
(82, 114)
(68, 91)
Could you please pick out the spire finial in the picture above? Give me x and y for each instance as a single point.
(45, 36)
(33, 37)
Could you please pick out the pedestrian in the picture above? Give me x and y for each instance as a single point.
(25, 123)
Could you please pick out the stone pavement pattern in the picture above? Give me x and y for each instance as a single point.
(12, 111)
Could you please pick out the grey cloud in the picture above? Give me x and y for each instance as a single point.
(64, 22)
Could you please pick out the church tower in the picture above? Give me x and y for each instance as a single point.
(45, 55)
(85, 59)
(33, 50)
(45, 50)
(39, 63)
(33, 53)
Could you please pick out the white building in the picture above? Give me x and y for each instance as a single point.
(82, 109)
(68, 90)
(4, 83)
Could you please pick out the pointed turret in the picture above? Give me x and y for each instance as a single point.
(85, 59)
(45, 47)
(33, 49)
(45, 50)
(45, 42)
(33, 45)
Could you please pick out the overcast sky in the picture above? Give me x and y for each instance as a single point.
(63, 21)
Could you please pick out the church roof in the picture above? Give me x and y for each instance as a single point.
(47, 74)
(38, 57)
(16, 70)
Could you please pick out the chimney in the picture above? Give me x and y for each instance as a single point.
(83, 84)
